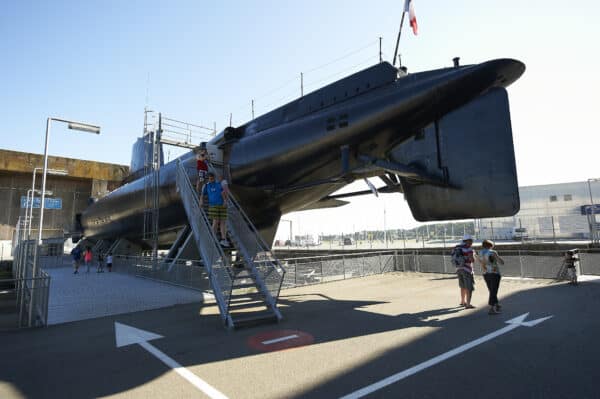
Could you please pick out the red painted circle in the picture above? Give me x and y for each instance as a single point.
(284, 339)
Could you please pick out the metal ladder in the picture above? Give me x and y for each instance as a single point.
(261, 280)
(236, 275)
(152, 164)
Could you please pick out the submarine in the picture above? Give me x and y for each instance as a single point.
(442, 138)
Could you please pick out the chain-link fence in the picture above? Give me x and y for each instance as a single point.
(524, 264)
(184, 273)
(318, 269)
(26, 295)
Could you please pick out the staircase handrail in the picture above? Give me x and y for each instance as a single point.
(211, 252)
(111, 247)
(255, 250)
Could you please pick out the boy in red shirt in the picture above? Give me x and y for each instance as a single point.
(201, 169)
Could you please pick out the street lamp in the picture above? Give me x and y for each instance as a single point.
(30, 201)
(84, 127)
(29, 208)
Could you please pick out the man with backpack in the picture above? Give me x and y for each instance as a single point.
(462, 258)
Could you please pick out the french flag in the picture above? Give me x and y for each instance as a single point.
(410, 9)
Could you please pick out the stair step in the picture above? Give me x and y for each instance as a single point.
(245, 305)
(252, 295)
(241, 272)
(245, 285)
(253, 319)
(244, 275)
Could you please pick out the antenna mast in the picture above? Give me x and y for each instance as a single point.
(398, 39)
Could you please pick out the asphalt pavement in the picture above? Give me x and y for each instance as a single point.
(402, 331)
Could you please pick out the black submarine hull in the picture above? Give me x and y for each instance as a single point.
(375, 113)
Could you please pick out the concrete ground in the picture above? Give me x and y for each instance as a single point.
(365, 330)
(90, 295)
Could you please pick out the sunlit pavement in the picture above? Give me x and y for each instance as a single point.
(87, 295)
(364, 330)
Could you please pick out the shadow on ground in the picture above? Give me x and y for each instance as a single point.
(80, 359)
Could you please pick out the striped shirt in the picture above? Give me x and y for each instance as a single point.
(466, 261)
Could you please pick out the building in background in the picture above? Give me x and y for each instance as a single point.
(71, 193)
(561, 211)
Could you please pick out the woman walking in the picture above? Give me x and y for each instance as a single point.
(489, 259)
(87, 258)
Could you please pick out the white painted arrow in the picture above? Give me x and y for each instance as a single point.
(127, 335)
(512, 324)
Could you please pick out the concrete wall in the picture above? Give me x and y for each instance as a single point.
(85, 179)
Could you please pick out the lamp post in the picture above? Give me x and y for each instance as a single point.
(84, 127)
(30, 201)
(29, 207)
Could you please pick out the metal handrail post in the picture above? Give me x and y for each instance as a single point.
(521, 264)
(444, 262)
(47, 300)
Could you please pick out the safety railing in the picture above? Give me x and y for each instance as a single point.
(320, 269)
(29, 288)
(524, 264)
(521, 264)
(213, 258)
(29, 297)
(268, 272)
(183, 272)
(255, 251)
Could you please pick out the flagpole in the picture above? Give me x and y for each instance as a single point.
(398, 40)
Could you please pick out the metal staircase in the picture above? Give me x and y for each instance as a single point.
(102, 247)
(246, 278)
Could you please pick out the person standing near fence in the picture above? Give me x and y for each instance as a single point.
(489, 259)
(76, 255)
(87, 258)
(571, 262)
(100, 268)
(462, 258)
(109, 261)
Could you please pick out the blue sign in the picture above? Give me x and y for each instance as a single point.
(590, 209)
(49, 203)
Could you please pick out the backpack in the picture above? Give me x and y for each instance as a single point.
(458, 259)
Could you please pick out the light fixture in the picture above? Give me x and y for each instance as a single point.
(84, 127)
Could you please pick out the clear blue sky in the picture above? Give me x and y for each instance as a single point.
(198, 61)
